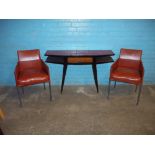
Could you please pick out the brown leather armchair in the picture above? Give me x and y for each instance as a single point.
(31, 70)
(128, 68)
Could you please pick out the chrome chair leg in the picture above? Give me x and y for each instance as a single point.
(139, 93)
(20, 101)
(23, 90)
(44, 86)
(50, 91)
(115, 84)
(136, 88)
(109, 89)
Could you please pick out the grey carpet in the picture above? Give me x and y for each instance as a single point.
(79, 110)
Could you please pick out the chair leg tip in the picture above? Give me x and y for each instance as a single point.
(20, 105)
(137, 103)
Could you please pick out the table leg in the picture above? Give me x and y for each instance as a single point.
(63, 76)
(95, 75)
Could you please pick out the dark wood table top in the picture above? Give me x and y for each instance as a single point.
(78, 53)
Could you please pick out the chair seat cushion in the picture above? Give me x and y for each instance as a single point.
(128, 75)
(32, 76)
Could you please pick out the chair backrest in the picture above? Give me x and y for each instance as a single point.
(130, 58)
(28, 55)
(29, 59)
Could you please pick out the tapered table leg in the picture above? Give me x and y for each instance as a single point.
(63, 76)
(95, 75)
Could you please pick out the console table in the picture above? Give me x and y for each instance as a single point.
(79, 57)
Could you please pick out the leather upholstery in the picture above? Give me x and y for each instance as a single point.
(30, 69)
(28, 55)
(128, 68)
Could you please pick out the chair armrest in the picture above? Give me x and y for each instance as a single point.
(16, 72)
(45, 67)
(141, 69)
(114, 65)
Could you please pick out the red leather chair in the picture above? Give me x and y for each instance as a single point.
(31, 70)
(128, 68)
